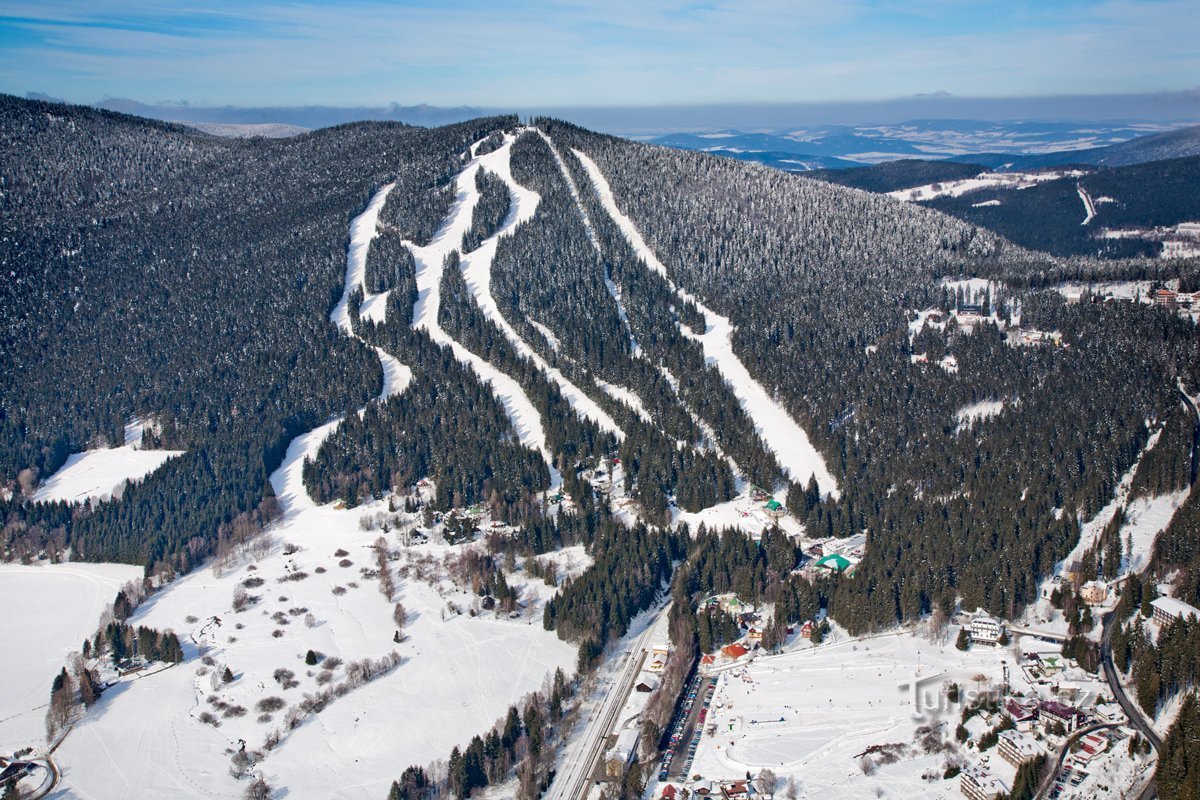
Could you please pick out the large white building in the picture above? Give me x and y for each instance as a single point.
(1016, 748)
(986, 630)
(1169, 609)
(979, 784)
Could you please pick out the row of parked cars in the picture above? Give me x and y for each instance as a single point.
(695, 686)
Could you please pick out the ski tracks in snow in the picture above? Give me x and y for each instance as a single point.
(779, 432)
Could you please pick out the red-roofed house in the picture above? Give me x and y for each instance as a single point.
(734, 651)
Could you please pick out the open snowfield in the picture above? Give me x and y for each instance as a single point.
(780, 433)
(49, 609)
(457, 675)
(810, 713)
(987, 180)
(98, 473)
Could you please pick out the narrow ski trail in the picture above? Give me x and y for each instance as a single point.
(288, 479)
(779, 432)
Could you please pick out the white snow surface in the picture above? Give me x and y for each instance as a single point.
(810, 712)
(362, 231)
(1089, 207)
(780, 433)
(49, 609)
(967, 416)
(477, 271)
(986, 180)
(98, 473)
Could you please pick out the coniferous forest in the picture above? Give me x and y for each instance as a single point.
(166, 275)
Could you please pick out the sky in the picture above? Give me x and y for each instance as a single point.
(529, 53)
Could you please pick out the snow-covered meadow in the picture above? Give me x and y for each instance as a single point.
(48, 611)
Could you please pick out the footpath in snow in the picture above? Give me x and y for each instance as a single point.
(780, 433)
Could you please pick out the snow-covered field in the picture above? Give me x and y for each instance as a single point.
(967, 416)
(811, 712)
(987, 180)
(48, 610)
(98, 473)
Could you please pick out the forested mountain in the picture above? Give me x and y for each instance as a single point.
(187, 279)
(159, 272)
(1050, 216)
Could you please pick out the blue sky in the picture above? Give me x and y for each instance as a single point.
(582, 53)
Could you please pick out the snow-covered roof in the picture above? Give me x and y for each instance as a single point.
(1022, 744)
(1176, 608)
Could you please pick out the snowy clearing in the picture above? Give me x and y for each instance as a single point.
(986, 180)
(59, 604)
(779, 432)
(98, 474)
(967, 416)
(810, 713)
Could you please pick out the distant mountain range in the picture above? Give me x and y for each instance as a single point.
(998, 145)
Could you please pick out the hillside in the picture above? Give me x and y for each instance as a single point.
(1053, 216)
(500, 374)
(892, 175)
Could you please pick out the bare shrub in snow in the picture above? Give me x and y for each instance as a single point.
(270, 703)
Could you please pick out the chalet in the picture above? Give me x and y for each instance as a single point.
(816, 551)
(668, 793)
(806, 630)
(1073, 571)
(1016, 747)
(774, 509)
(646, 685)
(735, 790)
(1051, 711)
(1165, 298)
(707, 660)
(985, 630)
(1094, 592)
(1169, 609)
(734, 651)
(657, 660)
(979, 784)
(1110, 713)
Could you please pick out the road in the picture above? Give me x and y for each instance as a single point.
(1065, 751)
(574, 777)
(1135, 715)
(1195, 436)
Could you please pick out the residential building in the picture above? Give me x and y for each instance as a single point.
(1022, 715)
(1017, 747)
(979, 784)
(1169, 609)
(986, 630)
(1094, 592)
(1091, 746)
(1165, 297)
(1051, 711)
(735, 790)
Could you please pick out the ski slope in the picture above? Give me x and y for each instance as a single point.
(315, 588)
(779, 432)
(477, 272)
